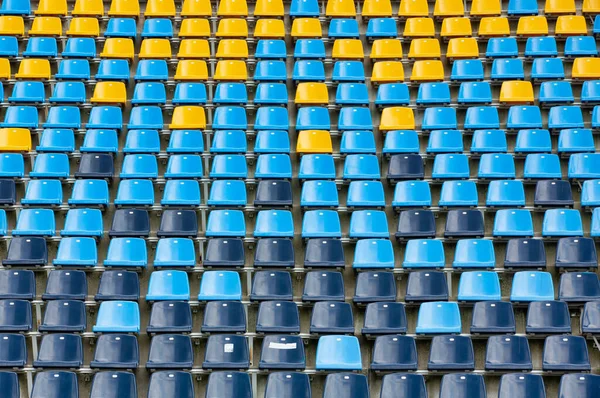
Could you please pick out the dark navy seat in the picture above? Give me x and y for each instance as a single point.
(13, 350)
(66, 285)
(451, 353)
(27, 251)
(17, 284)
(384, 318)
(224, 317)
(170, 317)
(521, 385)
(590, 319)
(579, 287)
(553, 193)
(96, 165)
(327, 253)
(464, 223)
(426, 286)
(64, 316)
(8, 193)
(346, 385)
(278, 317)
(405, 167)
(116, 351)
(525, 253)
(225, 351)
(459, 385)
(114, 385)
(55, 384)
(10, 385)
(548, 317)
(414, 224)
(273, 193)
(323, 285)
(229, 384)
(508, 353)
(225, 252)
(579, 385)
(394, 353)
(170, 351)
(493, 317)
(118, 285)
(171, 384)
(332, 317)
(272, 252)
(374, 286)
(565, 353)
(130, 222)
(287, 385)
(576, 252)
(15, 316)
(403, 385)
(175, 223)
(271, 285)
(60, 351)
(282, 352)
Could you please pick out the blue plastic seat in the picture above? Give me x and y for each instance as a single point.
(393, 353)
(116, 351)
(225, 351)
(68, 117)
(354, 118)
(15, 7)
(513, 222)
(41, 47)
(500, 47)
(270, 70)
(271, 94)
(139, 166)
(532, 140)
(313, 118)
(288, 385)
(590, 92)
(412, 194)
(277, 166)
(146, 117)
(507, 69)
(465, 70)
(12, 165)
(151, 69)
(80, 47)
(100, 140)
(187, 141)
(90, 192)
(579, 287)
(106, 117)
(168, 285)
(119, 384)
(170, 317)
(118, 285)
(181, 193)
(343, 28)
(77, 252)
(273, 193)
(56, 140)
(493, 317)
(578, 385)
(479, 286)
(565, 117)
(73, 69)
(348, 71)
(448, 166)
(308, 70)
(327, 253)
(352, 94)
(149, 94)
(321, 224)
(304, 8)
(15, 316)
(229, 141)
(178, 223)
(323, 286)
(475, 93)
(361, 167)
(142, 141)
(525, 253)
(270, 49)
(565, 353)
(365, 194)
(458, 193)
(474, 253)
(576, 140)
(157, 27)
(170, 383)
(496, 165)
(433, 94)
(489, 141)
(590, 193)
(68, 92)
(21, 117)
(14, 351)
(392, 94)
(17, 284)
(43, 193)
(55, 384)
(278, 317)
(229, 166)
(583, 166)
(60, 351)
(401, 141)
(439, 118)
(309, 49)
(8, 196)
(121, 27)
(26, 251)
(189, 93)
(384, 318)
(135, 192)
(416, 224)
(332, 317)
(556, 92)
(346, 385)
(229, 384)
(524, 117)
(438, 317)
(126, 252)
(271, 141)
(317, 167)
(590, 319)
(508, 353)
(482, 117)
(227, 193)
(318, 193)
(553, 193)
(338, 353)
(532, 286)
(547, 68)
(113, 69)
(28, 92)
(230, 93)
(374, 286)
(521, 385)
(562, 222)
(541, 47)
(35, 222)
(451, 353)
(170, 351)
(373, 253)
(426, 286)
(10, 46)
(368, 224)
(64, 316)
(464, 223)
(220, 285)
(83, 222)
(548, 317)
(118, 317)
(522, 7)
(445, 141)
(224, 317)
(271, 285)
(360, 141)
(423, 253)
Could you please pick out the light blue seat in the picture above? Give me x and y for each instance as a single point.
(157, 27)
(361, 167)
(43, 193)
(352, 94)
(113, 69)
(184, 166)
(368, 224)
(105, 117)
(547, 68)
(489, 141)
(590, 92)
(533, 140)
(12, 165)
(445, 141)
(80, 47)
(565, 117)
(590, 193)
(308, 71)
(139, 166)
(496, 165)
(118, 317)
(142, 141)
(479, 286)
(523, 7)
(554, 92)
(465, 70)
(505, 193)
(392, 94)
(433, 94)
(319, 193)
(227, 193)
(507, 69)
(540, 166)
(482, 117)
(401, 141)
(304, 8)
(524, 117)
(321, 224)
(373, 254)
(584, 166)
(230, 93)
(320, 167)
(348, 71)
(338, 353)
(475, 93)
(273, 166)
(274, 223)
(541, 47)
(186, 141)
(576, 140)
(51, 165)
(89, 192)
(358, 141)
(500, 47)
(41, 47)
(146, 117)
(100, 140)
(126, 252)
(21, 117)
(121, 27)
(532, 286)
(562, 222)
(28, 92)
(270, 49)
(181, 193)
(229, 141)
(354, 118)
(149, 93)
(67, 117)
(343, 28)
(271, 118)
(152, 70)
(439, 118)
(189, 94)
(83, 222)
(271, 94)
(513, 222)
(226, 223)
(313, 118)
(168, 285)
(68, 92)
(450, 166)
(439, 317)
(424, 253)
(412, 194)
(270, 70)
(73, 69)
(220, 285)
(458, 193)
(271, 141)
(9, 46)
(174, 252)
(381, 28)
(596, 117)
(3, 223)
(309, 49)
(474, 253)
(79, 252)
(365, 194)
(15, 7)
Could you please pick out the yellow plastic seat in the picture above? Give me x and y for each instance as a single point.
(52, 7)
(194, 27)
(377, 8)
(155, 48)
(314, 141)
(413, 8)
(494, 26)
(311, 94)
(191, 69)
(88, 8)
(193, 48)
(269, 8)
(485, 8)
(426, 71)
(419, 27)
(232, 27)
(591, 7)
(387, 71)
(347, 49)
(196, 8)
(462, 48)
(448, 8)
(340, 8)
(586, 68)
(232, 48)
(109, 93)
(516, 92)
(188, 117)
(269, 28)
(424, 49)
(232, 8)
(46, 26)
(532, 26)
(84, 27)
(12, 26)
(5, 71)
(231, 70)
(306, 27)
(397, 118)
(32, 68)
(160, 8)
(558, 7)
(456, 27)
(386, 49)
(570, 25)
(124, 8)
(118, 48)
(15, 140)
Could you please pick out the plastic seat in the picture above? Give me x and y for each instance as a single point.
(450, 166)
(513, 223)
(479, 286)
(28, 92)
(319, 194)
(157, 27)
(116, 47)
(149, 94)
(416, 224)
(359, 167)
(20, 118)
(540, 166)
(224, 317)
(565, 353)
(64, 316)
(274, 253)
(338, 353)
(10, 382)
(167, 285)
(564, 117)
(463, 70)
(521, 384)
(321, 224)
(368, 224)
(46, 26)
(474, 253)
(433, 93)
(426, 286)
(508, 69)
(83, 222)
(525, 253)
(89, 192)
(497, 165)
(422, 253)
(493, 317)
(425, 71)
(391, 353)
(16, 7)
(220, 285)
(271, 285)
(545, 317)
(553, 193)
(278, 317)
(189, 69)
(14, 351)
(441, 141)
(66, 285)
(217, 357)
(269, 28)
(55, 384)
(381, 27)
(15, 316)
(186, 141)
(501, 47)
(579, 287)
(524, 117)
(547, 68)
(373, 287)
(118, 316)
(41, 47)
(139, 166)
(105, 117)
(43, 193)
(532, 26)
(576, 140)
(121, 384)
(68, 92)
(532, 286)
(234, 384)
(35, 222)
(324, 253)
(121, 27)
(224, 252)
(17, 284)
(426, 49)
(582, 385)
(118, 285)
(438, 118)
(493, 141)
(142, 141)
(570, 25)
(304, 8)
(287, 385)
(580, 46)
(365, 194)
(113, 69)
(455, 193)
(124, 8)
(171, 383)
(178, 223)
(189, 93)
(170, 351)
(462, 48)
(392, 94)
(126, 252)
(508, 353)
(29, 251)
(60, 351)
(451, 353)
(317, 167)
(332, 317)
(559, 222)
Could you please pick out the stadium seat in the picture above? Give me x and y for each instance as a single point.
(384, 318)
(393, 353)
(474, 253)
(64, 316)
(493, 317)
(492, 26)
(14, 351)
(525, 253)
(55, 383)
(17, 284)
(532, 286)
(170, 351)
(83, 222)
(89, 193)
(168, 285)
(412, 194)
(433, 93)
(458, 193)
(463, 70)
(496, 165)
(224, 252)
(189, 69)
(332, 317)
(532, 140)
(27, 92)
(35, 222)
(576, 140)
(60, 351)
(118, 285)
(556, 92)
(321, 224)
(273, 193)
(542, 166)
(171, 383)
(553, 193)
(515, 384)
(43, 193)
(501, 47)
(368, 224)
(580, 166)
(224, 317)
(416, 224)
(562, 222)
(579, 287)
(548, 317)
(438, 317)
(324, 253)
(271, 285)
(513, 223)
(426, 286)
(278, 317)
(508, 353)
(581, 385)
(373, 253)
(507, 69)
(126, 252)
(479, 286)
(185, 141)
(493, 141)
(346, 385)
(421, 253)
(438, 118)
(451, 353)
(217, 357)
(565, 353)
(27, 251)
(235, 384)
(338, 352)
(450, 166)
(323, 286)
(220, 285)
(287, 385)
(15, 316)
(118, 316)
(319, 194)
(460, 48)
(121, 383)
